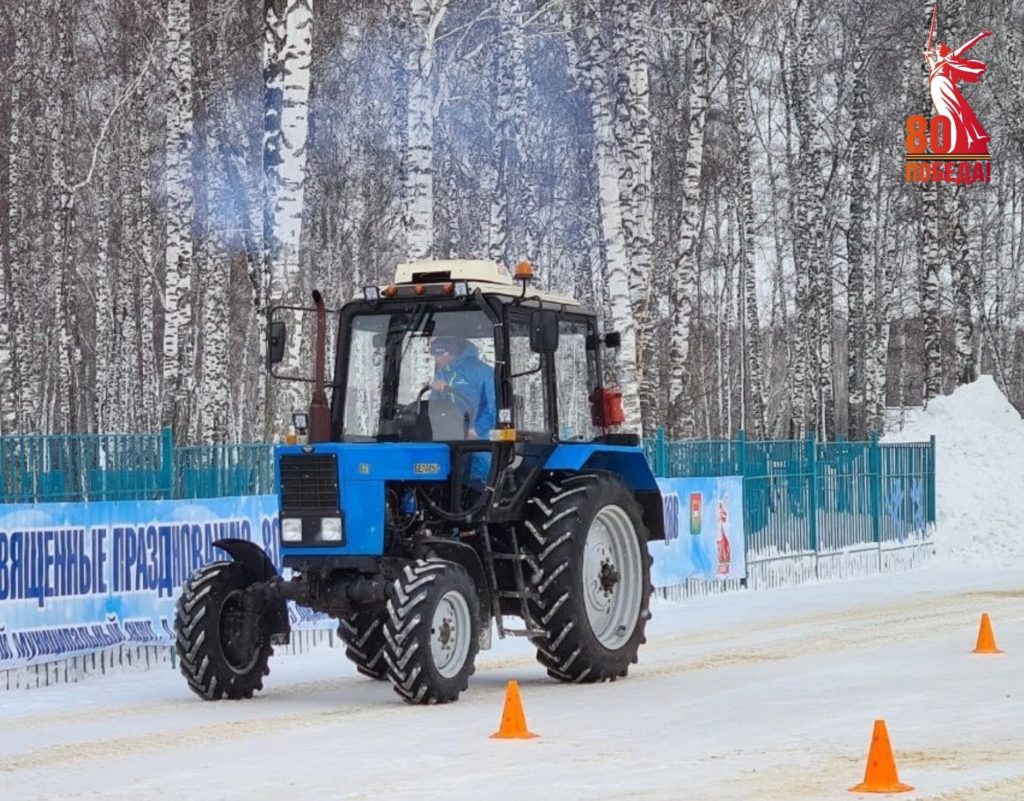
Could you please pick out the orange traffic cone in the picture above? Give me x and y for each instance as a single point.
(986, 640)
(880, 774)
(513, 719)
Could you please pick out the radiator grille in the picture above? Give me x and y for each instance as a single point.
(309, 483)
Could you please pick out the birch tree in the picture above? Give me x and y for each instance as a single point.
(684, 287)
(633, 141)
(594, 80)
(288, 284)
(177, 300)
(10, 258)
(958, 246)
(752, 355)
(511, 234)
(426, 18)
(856, 244)
(69, 404)
(930, 254)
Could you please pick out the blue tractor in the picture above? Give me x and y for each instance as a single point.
(464, 473)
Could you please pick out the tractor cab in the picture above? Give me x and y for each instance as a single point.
(465, 354)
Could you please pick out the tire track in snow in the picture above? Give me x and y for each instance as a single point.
(848, 629)
(834, 774)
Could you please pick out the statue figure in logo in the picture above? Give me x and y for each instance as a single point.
(946, 68)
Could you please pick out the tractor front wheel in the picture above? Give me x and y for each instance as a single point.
(214, 656)
(432, 631)
(588, 540)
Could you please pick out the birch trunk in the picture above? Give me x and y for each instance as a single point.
(878, 302)
(856, 248)
(806, 374)
(12, 255)
(929, 263)
(177, 301)
(289, 283)
(752, 354)
(594, 78)
(680, 415)
(147, 381)
(105, 392)
(427, 16)
(507, 155)
(69, 404)
(274, 15)
(636, 151)
(962, 273)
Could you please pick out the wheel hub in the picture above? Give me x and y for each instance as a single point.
(240, 652)
(608, 577)
(445, 633)
(450, 632)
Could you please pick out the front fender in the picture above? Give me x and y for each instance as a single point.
(461, 554)
(259, 569)
(251, 556)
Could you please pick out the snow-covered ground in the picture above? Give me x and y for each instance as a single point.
(747, 696)
(767, 695)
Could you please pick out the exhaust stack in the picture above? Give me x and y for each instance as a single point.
(319, 411)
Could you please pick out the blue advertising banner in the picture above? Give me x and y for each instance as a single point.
(77, 577)
(703, 531)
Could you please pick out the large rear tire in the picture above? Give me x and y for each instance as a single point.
(363, 635)
(587, 535)
(432, 631)
(207, 625)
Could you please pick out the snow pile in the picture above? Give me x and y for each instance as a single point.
(979, 472)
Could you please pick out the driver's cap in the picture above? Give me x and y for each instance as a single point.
(446, 344)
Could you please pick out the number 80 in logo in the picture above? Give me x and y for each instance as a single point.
(921, 133)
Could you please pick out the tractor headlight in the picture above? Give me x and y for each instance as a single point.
(330, 529)
(291, 529)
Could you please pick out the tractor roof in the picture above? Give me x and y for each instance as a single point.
(490, 277)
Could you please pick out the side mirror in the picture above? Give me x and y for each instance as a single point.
(544, 331)
(275, 342)
(612, 339)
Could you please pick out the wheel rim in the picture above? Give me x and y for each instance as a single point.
(239, 658)
(449, 634)
(612, 577)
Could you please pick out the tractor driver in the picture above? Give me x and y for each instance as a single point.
(459, 371)
(469, 382)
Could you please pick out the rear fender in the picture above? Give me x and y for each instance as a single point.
(628, 463)
(259, 568)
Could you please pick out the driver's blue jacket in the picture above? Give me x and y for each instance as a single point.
(472, 382)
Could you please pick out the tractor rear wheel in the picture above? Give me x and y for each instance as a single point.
(587, 536)
(213, 656)
(432, 631)
(363, 635)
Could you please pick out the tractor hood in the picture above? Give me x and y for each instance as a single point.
(332, 479)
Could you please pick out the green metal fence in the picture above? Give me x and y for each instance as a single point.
(119, 467)
(804, 496)
(213, 471)
(800, 496)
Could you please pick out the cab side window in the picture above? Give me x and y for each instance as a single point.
(529, 390)
(575, 379)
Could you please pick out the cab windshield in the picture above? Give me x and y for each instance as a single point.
(415, 364)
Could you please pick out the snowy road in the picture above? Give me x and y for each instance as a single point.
(752, 696)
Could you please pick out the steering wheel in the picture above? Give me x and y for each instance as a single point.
(447, 388)
(443, 410)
